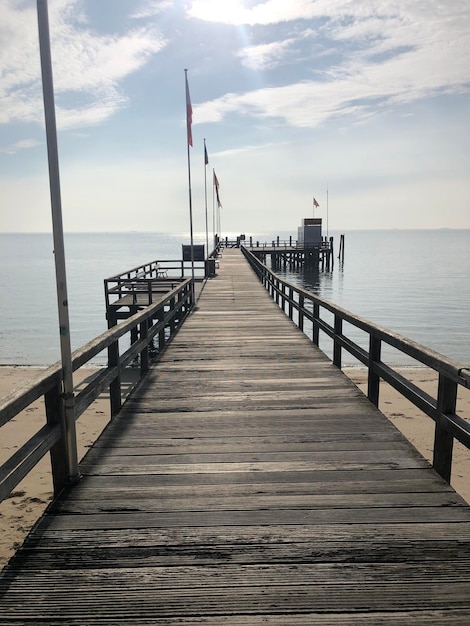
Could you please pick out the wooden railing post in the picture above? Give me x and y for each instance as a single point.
(301, 311)
(173, 320)
(316, 328)
(115, 386)
(161, 333)
(55, 415)
(443, 440)
(338, 328)
(144, 355)
(373, 381)
(291, 305)
(134, 331)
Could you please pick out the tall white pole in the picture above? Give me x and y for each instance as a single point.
(68, 422)
(327, 211)
(205, 198)
(188, 143)
(214, 226)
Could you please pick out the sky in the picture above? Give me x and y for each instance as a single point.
(361, 104)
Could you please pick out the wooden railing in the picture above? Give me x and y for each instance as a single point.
(167, 271)
(150, 328)
(301, 305)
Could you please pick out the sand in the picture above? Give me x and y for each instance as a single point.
(20, 511)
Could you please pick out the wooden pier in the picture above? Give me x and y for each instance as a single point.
(246, 481)
(296, 256)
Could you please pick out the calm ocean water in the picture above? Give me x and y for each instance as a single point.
(412, 282)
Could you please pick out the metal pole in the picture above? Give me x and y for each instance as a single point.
(327, 211)
(205, 198)
(214, 226)
(190, 207)
(58, 236)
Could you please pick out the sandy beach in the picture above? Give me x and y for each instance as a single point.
(19, 512)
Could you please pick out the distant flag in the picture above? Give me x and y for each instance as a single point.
(189, 113)
(206, 158)
(216, 185)
(315, 203)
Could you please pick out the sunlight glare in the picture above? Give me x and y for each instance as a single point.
(228, 11)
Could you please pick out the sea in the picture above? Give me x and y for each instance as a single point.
(413, 282)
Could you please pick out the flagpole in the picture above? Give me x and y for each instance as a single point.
(189, 142)
(214, 225)
(206, 161)
(68, 417)
(327, 210)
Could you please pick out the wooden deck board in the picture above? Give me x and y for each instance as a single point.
(246, 481)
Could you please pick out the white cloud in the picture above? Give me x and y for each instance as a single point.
(264, 56)
(151, 8)
(23, 144)
(234, 11)
(400, 52)
(87, 67)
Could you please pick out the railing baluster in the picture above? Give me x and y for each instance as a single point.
(144, 355)
(173, 320)
(115, 386)
(338, 327)
(54, 415)
(161, 334)
(373, 381)
(301, 311)
(443, 440)
(316, 328)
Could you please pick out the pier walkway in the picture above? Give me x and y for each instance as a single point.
(246, 481)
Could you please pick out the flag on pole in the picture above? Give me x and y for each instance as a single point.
(206, 157)
(315, 203)
(216, 185)
(189, 114)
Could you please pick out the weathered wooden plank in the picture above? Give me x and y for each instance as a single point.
(129, 519)
(325, 482)
(312, 536)
(382, 476)
(251, 575)
(196, 502)
(88, 554)
(263, 598)
(318, 458)
(376, 618)
(311, 441)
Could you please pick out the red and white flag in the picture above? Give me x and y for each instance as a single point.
(216, 185)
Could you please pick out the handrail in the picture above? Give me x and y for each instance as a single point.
(176, 267)
(157, 322)
(158, 274)
(442, 409)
